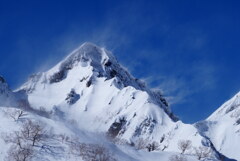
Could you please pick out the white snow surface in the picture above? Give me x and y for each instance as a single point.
(57, 126)
(107, 99)
(89, 95)
(224, 128)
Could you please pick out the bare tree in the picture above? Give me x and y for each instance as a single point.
(184, 145)
(24, 141)
(15, 114)
(141, 143)
(202, 152)
(153, 146)
(20, 153)
(32, 132)
(31, 141)
(91, 152)
(177, 158)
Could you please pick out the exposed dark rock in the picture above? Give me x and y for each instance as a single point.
(146, 126)
(230, 109)
(162, 138)
(113, 73)
(164, 101)
(116, 128)
(108, 64)
(57, 77)
(89, 83)
(84, 78)
(238, 121)
(2, 80)
(72, 97)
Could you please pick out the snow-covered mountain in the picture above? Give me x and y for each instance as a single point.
(91, 88)
(223, 128)
(90, 96)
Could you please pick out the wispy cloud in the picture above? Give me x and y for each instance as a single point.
(164, 63)
(178, 87)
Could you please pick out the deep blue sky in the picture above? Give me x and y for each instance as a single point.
(188, 48)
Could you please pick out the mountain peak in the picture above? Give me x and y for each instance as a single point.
(102, 62)
(92, 63)
(223, 127)
(90, 52)
(229, 108)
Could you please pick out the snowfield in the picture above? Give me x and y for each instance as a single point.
(63, 133)
(224, 128)
(88, 107)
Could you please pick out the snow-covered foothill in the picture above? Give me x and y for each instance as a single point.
(223, 128)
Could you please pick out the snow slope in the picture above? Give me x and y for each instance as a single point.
(61, 151)
(89, 95)
(223, 128)
(106, 98)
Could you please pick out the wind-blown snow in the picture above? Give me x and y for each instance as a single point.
(90, 95)
(107, 93)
